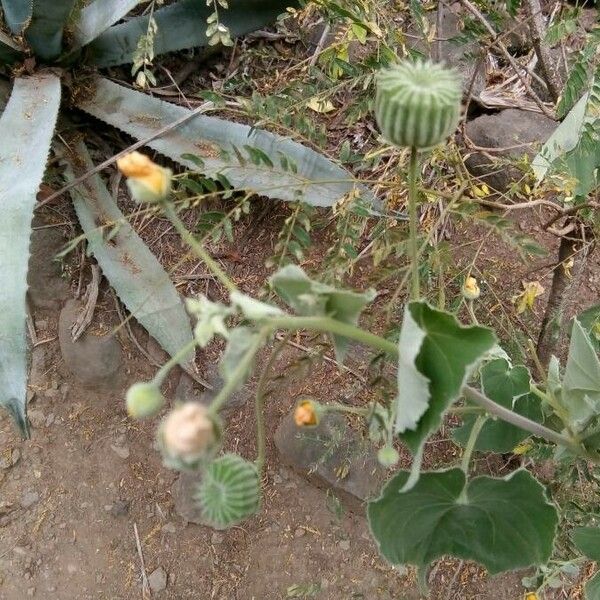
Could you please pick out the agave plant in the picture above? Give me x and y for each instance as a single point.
(101, 34)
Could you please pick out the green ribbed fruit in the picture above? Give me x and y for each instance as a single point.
(417, 104)
(229, 491)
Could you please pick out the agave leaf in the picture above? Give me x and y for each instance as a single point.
(222, 147)
(26, 129)
(564, 138)
(97, 17)
(129, 265)
(17, 14)
(182, 25)
(45, 30)
(9, 51)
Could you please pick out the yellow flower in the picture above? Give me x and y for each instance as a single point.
(567, 266)
(471, 289)
(147, 181)
(531, 596)
(526, 299)
(306, 414)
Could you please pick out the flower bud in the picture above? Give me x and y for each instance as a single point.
(143, 400)
(388, 456)
(471, 289)
(417, 104)
(147, 181)
(188, 433)
(307, 413)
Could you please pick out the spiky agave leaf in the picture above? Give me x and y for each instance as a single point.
(17, 14)
(132, 270)
(44, 32)
(26, 129)
(97, 17)
(182, 25)
(223, 147)
(9, 50)
(229, 491)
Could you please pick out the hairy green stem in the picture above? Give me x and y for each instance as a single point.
(239, 373)
(197, 247)
(475, 431)
(162, 373)
(329, 325)
(413, 224)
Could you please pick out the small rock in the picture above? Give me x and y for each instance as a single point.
(108, 507)
(300, 532)
(119, 508)
(41, 325)
(50, 420)
(158, 580)
(321, 453)
(37, 372)
(508, 128)
(92, 359)
(182, 493)
(120, 451)
(31, 591)
(47, 288)
(217, 538)
(71, 568)
(344, 545)
(277, 479)
(29, 499)
(36, 417)
(169, 528)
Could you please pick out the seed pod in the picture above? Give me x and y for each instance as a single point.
(229, 491)
(417, 104)
(143, 399)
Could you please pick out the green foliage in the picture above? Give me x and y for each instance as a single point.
(501, 523)
(45, 29)
(9, 51)
(311, 298)
(437, 355)
(26, 128)
(587, 540)
(17, 14)
(509, 387)
(581, 382)
(229, 491)
(133, 271)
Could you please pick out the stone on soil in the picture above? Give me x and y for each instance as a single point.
(47, 288)
(157, 580)
(334, 455)
(93, 359)
(508, 128)
(182, 493)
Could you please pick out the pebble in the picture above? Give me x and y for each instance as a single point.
(169, 528)
(50, 419)
(344, 545)
(120, 451)
(300, 532)
(217, 538)
(157, 580)
(29, 499)
(36, 417)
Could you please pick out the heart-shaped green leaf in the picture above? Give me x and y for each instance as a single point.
(437, 354)
(587, 540)
(510, 388)
(501, 523)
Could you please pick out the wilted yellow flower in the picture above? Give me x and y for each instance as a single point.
(531, 596)
(147, 181)
(306, 414)
(188, 431)
(526, 299)
(567, 266)
(471, 289)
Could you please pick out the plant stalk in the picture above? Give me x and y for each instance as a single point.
(162, 373)
(197, 247)
(413, 224)
(475, 431)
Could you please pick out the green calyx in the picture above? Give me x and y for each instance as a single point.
(143, 400)
(417, 104)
